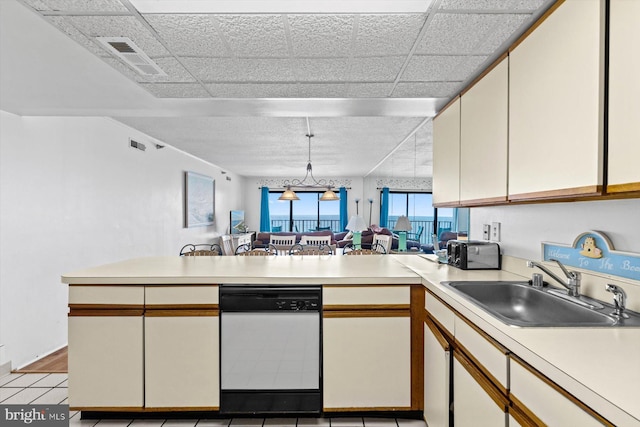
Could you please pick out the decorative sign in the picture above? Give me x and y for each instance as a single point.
(594, 251)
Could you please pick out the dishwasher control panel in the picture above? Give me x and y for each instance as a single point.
(240, 298)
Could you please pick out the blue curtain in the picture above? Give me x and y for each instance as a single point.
(454, 225)
(384, 208)
(344, 215)
(265, 219)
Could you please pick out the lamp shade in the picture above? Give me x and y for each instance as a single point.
(329, 196)
(356, 223)
(289, 194)
(403, 224)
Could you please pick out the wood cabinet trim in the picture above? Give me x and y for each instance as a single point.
(624, 188)
(565, 194)
(453, 100)
(480, 367)
(181, 313)
(494, 393)
(438, 334)
(366, 313)
(490, 201)
(367, 409)
(447, 204)
(365, 307)
(493, 65)
(102, 310)
(558, 389)
(181, 306)
(522, 414)
(417, 346)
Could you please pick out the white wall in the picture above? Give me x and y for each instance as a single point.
(525, 227)
(74, 195)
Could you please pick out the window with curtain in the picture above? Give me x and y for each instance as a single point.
(418, 207)
(304, 215)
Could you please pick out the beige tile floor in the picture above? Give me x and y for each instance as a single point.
(52, 389)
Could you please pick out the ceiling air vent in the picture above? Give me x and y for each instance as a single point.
(138, 145)
(132, 55)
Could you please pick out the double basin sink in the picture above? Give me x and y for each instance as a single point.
(521, 305)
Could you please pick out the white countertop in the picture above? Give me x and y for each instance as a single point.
(600, 366)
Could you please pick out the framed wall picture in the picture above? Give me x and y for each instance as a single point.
(199, 205)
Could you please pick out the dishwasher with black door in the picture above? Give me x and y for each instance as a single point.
(270, 349)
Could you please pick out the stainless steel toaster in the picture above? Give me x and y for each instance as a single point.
(473, 255)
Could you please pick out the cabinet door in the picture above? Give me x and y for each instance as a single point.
(446, 156)
(367, 363)
(437, 369)
(550, 405)
(624, 97)
(182, 362)
(105, 361)
(475, 402)
(556, 100)
(483, 139)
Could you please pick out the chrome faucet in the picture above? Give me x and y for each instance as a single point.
(619, 299)
(572, 283)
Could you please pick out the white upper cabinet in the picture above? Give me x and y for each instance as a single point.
(446, 156)
(483, 139)
(556, 99)
(624, 97)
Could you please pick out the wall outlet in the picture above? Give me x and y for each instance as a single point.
(486, 230)
(495, 231)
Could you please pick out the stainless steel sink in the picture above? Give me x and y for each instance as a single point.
(519, 304)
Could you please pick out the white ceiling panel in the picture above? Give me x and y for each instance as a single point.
(177, 90)
(254, 35)
(245, 74)
(513, 5)
(321, 69)
(427, 90)
(321, 35)
(78, 5)
(189, 35)
(376, 69)
(254, 90)
(120, 26)
(387, 34)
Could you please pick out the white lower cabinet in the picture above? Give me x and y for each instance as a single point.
(476, 402)
(366, 362)
(182, 362)
(105, 361)
(437, 380)
(546, 402)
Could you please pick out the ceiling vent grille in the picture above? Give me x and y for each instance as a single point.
(125, 49)
(137, 145)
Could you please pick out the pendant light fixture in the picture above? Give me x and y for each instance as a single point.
(289, 194)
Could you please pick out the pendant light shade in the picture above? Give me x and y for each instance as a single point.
(288, 194)
(329, 195)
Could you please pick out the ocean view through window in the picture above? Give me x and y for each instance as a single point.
(304, 215)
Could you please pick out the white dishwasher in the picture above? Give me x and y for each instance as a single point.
(270, 349)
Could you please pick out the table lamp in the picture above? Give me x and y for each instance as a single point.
(356, 225)
(402, 226)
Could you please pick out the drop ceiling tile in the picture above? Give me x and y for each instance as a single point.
(189, 35)
(516, 5)
(378, 69)
(430, 68)
(321, 69)
(321, 35)
(63, 25)
(456, 34)
(468, 66)
(265, 70)
(124, 69)
(369, 90)
(253, 90)
(213, 69)
(175, 72)
(120, 26)
(176, 90)
(427, 90)
(254, 35)
(508, 25)
(77, 5)
(387, 34)
(319, 90)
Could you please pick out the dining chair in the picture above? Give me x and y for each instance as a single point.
(315, 240)
(227, 244)
(376, 249)
(382, 241)
(247, 250)
(201, 250)
(299, 249)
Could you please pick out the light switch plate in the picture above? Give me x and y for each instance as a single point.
(486, 230)
(495, 231)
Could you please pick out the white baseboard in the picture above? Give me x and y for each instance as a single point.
(5, 368)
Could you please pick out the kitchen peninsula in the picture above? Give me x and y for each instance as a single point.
(144, 337)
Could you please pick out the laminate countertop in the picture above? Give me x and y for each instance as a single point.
(600, 366)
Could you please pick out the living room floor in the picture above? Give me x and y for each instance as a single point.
(51, 389)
